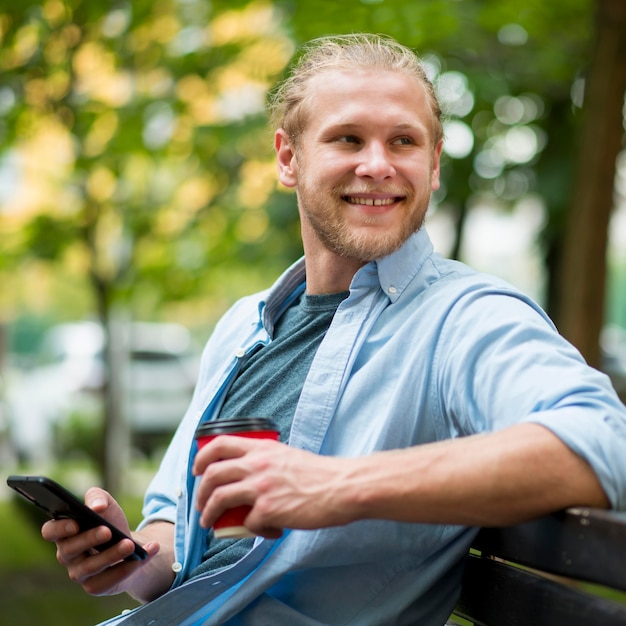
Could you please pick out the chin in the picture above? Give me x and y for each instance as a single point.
(366, 249)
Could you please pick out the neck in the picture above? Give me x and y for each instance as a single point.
(326, 271)
(331, 274)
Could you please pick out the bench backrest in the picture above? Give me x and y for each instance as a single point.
(556, 554)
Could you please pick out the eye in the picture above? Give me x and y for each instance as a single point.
(348, 139)
(403, 141)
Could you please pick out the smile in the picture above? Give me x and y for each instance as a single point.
(371, 201)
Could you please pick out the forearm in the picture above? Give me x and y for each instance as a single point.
(156, 577)
(486, 480)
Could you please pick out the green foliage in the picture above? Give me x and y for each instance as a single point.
(78, 434)
(518, 64)
(136, 125)
(20, 522)
(47, 237)
(162, 168)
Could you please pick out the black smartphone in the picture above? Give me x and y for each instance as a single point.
(59, 503)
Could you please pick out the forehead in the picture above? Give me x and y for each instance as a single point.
(342, 96)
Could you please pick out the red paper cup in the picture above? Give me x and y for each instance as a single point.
(230, 524)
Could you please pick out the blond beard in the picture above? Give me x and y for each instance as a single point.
(361, 246)
(331, 229)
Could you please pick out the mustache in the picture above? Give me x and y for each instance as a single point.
(342, 190)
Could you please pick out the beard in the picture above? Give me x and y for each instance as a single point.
(368, 239)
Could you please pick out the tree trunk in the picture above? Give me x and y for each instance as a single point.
(116, 439)
(113, 452)
(459, 230)
(580, 313)
(114, 449)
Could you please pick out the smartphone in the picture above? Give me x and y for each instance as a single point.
(59, 503)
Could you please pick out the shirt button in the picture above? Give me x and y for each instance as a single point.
(176, 567)
(392, 289)
(179, 492)
(239, 352)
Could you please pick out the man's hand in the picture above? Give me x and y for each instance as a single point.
(286, 487)
(106, 572)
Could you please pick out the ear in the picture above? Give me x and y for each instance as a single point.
(286, 159)
(435, 177)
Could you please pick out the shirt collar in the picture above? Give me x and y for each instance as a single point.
(396, 271)
(393, 273)
(289, 286)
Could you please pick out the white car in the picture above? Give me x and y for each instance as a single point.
(158, 372)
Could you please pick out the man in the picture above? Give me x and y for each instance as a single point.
(419, 399)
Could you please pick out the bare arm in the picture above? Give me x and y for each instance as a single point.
(106, 573)
(484, 480)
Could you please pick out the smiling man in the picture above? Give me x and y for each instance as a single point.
(416, 399)
(363, 175)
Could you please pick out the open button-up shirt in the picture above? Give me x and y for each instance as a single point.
(423, 349)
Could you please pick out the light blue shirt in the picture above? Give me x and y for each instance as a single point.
(423, 349)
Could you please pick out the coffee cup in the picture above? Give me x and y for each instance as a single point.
(230, 524)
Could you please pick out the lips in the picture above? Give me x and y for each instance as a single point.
(364, 201)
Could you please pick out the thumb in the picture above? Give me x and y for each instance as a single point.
(98, 499)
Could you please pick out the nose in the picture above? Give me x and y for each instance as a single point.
(375, 162)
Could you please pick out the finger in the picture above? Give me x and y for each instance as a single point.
(102, 573)
(105, 505)
(94, 563)
(108, 580)
(217, 475)
(223, 498)
(55, 530)
(81, 544)
(98, 499)
(221, 448)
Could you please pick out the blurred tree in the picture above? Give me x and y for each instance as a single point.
(136, 133)
(580, 312)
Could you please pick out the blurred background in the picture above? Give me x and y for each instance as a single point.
(139, 199)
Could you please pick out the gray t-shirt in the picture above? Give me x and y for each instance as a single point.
(268, 384)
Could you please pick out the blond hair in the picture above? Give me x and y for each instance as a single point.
(344, 52)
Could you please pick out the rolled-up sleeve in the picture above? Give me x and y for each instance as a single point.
(503, 362)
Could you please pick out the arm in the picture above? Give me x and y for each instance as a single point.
(483, 480)
(106, 573)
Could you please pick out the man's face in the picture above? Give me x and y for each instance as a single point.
(365, 165)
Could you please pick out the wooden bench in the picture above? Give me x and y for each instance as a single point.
(538, 573)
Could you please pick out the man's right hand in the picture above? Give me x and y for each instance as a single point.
(106, 572)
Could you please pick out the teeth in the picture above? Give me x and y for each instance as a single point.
(371, 201)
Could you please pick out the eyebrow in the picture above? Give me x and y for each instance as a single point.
(419, 130)
(400, 125)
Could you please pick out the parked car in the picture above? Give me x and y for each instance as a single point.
(63, 390)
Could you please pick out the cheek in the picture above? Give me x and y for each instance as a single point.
(328, 165)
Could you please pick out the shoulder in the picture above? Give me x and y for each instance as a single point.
(462, 293)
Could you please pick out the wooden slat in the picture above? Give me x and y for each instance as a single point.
(580, 543)
(496, 594)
